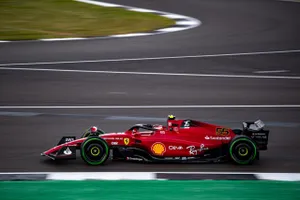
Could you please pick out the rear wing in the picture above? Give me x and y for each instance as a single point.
(256, 130)
(254, 126)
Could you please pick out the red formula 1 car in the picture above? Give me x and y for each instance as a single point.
(180, 141)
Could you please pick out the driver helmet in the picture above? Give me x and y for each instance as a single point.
(158, 126)
(171, 117)
(93, 129)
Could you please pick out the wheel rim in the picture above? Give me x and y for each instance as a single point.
(243, 151)
(95, 151)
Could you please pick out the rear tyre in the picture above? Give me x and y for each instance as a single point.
(242, 150)
(94, 151)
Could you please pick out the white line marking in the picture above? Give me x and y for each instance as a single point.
(271, 71)
(185, 23)
(154, 73)
(174, 16)
(61, 39)
(151, 58)
(171, 29)
(142, 10)
(151, 106)
(99, 3)
(102, 176)
(131, 35)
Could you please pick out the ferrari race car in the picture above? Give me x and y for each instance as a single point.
(181, 140)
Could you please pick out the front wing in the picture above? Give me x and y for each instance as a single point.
(65, 153)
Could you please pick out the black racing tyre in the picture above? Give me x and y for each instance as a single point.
(242, 150)
(94, 151)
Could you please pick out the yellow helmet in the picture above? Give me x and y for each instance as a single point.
(172, 117)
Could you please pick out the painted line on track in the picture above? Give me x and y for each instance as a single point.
(153, 73)
(136, 118)
(151, 58)
(149, 106)
(271, 71)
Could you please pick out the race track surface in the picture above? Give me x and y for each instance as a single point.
(231, 27)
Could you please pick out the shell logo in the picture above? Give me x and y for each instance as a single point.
(158, 148)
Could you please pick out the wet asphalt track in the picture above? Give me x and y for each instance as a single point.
(228, 27)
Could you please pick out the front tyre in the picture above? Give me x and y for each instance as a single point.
(242, 150)
(94, 151)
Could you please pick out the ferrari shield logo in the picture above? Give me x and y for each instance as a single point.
(126, 141)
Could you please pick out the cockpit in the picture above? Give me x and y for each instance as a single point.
(143, 129)
(172, 125)
(187, 123)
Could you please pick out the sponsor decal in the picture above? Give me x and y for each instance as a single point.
(175, 147)
(259, 134)
(217, 138)
(170, 124)
(135, 159)
(162, 132)
(186, 124)
(222, 131)
(67, 151)
(203, 148)
(69, 139)
(158, 148)
(193, 151)
(172, 158)
(112, 138)
(126, 141)
(114, 143)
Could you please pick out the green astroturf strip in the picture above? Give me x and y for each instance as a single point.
(39, 19)
(150, 190)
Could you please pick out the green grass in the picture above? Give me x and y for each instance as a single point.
(37, 19)
(149, 190)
